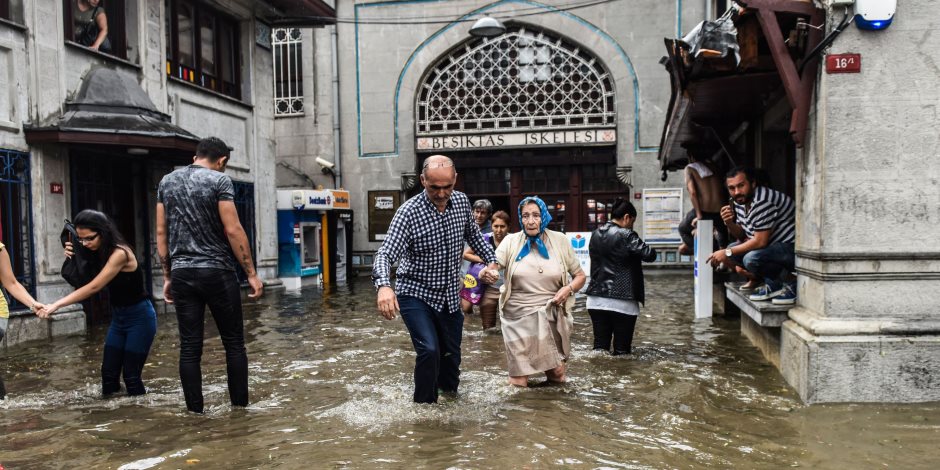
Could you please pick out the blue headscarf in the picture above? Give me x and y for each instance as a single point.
(546, 218)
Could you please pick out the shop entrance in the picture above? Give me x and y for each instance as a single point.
(577, 185)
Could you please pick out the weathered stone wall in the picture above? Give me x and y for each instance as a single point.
(868, 195)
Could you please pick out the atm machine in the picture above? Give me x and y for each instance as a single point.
(300, 216)
(314, 232)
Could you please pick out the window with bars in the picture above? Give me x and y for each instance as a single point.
(288, 72)
(549, 179)
(522, 80)
(202, 47)
(486, 181)
(597, 178)
(16, 219)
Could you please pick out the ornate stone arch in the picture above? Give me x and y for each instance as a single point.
(523, 80)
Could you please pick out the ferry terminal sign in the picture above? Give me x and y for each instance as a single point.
(519, 139)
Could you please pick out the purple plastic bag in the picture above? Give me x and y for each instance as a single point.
(472, 287)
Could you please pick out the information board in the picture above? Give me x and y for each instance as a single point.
(662, 213)
(382, 206)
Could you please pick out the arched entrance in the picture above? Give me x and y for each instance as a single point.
(525, 113)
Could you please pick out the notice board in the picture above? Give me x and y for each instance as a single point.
(662, 213)
(382, 206)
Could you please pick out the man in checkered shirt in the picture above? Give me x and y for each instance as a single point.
(427, 237)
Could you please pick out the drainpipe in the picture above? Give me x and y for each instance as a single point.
(337, 156)
(708, 10)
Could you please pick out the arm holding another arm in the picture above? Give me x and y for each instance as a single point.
(116, 262)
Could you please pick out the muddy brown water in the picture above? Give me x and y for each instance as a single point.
(331, 388)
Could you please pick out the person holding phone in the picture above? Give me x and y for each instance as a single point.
(133, 318)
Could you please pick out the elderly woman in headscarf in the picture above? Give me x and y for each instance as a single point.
(536, 299)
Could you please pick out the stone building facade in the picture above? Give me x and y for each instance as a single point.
(413, 82)
(81, 128)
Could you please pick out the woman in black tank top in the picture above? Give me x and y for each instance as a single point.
(133, 319)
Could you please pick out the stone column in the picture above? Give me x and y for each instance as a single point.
(866, 327)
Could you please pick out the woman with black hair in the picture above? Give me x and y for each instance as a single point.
(616, 289)
(133, 319)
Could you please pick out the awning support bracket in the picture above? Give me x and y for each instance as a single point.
(799, 87)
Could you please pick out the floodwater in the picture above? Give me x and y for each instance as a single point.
(331, 388)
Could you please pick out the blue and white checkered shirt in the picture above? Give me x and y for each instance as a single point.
(429, 245)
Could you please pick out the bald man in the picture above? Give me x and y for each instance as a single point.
(427, 237)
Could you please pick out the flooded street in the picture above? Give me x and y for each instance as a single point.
(331, 387)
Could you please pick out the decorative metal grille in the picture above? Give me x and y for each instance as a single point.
(288, 72)
(521, 80)
(16, 219)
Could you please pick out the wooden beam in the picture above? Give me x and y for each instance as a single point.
(778, 50)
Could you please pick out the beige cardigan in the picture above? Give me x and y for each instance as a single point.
(559, 250)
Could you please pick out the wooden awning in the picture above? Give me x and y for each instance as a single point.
(710, 100)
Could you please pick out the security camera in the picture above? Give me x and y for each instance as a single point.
(326, 164)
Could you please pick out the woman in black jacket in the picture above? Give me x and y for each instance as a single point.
(616, 289)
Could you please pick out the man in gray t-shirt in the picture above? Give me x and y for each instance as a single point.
(197, 232)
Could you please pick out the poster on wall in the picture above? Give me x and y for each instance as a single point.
(382, 206)
(662, 213)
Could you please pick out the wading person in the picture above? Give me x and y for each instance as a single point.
(133, 319)
(765, 220)
(197, 232)
(14, 288)
(489, 300)
(617, 289)
(542, 275)
(427, 237)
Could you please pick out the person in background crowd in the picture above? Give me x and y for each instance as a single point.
(617, 288)
(133, 318)
(14, 288)
(90, 24)
(427, 237)
(482, 211)
(766, 220)
(537, 297)
(198, 231)
(707, 194)
(490, 301)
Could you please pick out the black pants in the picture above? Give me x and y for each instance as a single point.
(686, 228)
(618, 325)
(193, 289)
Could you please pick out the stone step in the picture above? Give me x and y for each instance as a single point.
(763, 313)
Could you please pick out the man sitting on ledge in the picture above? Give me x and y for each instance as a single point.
(765, 220)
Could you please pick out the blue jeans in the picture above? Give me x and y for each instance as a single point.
(194, 289)
(436, 338)
(772, 263)
(126, 347)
